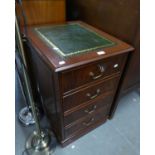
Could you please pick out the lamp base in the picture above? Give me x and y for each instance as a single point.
(26, 117)
(41, 146)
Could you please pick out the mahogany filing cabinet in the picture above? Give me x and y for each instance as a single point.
(75, 70)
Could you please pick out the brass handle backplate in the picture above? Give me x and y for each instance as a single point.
(91, 111)
(93, 96)
(88, 123)
(101, 68)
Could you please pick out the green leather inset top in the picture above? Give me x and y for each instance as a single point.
(71, 39)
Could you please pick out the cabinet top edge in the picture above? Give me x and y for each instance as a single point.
(59, 63)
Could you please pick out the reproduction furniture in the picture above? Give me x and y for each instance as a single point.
(76, 70)
(120, 18)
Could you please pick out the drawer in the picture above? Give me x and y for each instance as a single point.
(90, 93)
(92, 72)
(87, 110)
(100, 116)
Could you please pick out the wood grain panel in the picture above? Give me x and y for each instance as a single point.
(101, 114)
(88, 110)
(117, 17)
(82, 75)
(99, 90)
(43, 11)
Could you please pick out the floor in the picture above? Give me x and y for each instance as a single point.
(119, 136)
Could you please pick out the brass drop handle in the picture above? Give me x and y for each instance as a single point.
(88, 123)
(95, 77)
(101, 68)
(91, 111)
(94, 96)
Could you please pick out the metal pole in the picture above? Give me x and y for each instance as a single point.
(26, 78)
(21, 48)
(40, 141)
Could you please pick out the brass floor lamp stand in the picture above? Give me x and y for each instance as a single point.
(40, 141)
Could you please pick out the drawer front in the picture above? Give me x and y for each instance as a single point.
(89, 94)
(89, 121)
(90, 73)
(87, 110)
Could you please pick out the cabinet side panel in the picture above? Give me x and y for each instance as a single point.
(43, 77)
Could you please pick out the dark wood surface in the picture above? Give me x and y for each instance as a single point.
(92, 72)
(53, 59)
(89, 109)
(120, 18)
(117, 17)
(63, 90)
(43, 11)
(82, 132)
(91, 92)
(46, 87)
(87, 121)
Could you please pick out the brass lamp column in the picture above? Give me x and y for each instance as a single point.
(40, 142)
